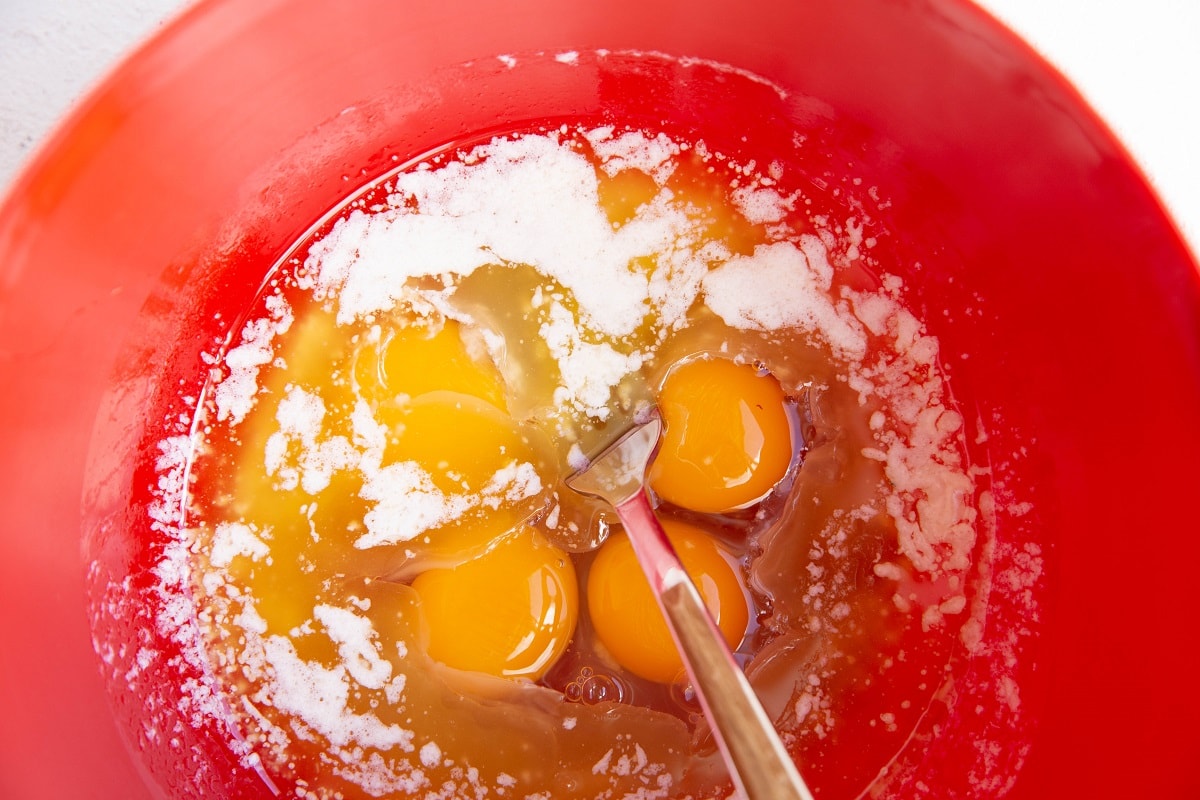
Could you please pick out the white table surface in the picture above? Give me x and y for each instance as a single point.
(1137, 63)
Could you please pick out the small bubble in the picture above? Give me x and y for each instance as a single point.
(602, 689)
(591, 688)
(684, 695)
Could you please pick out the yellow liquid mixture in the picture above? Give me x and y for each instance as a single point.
(400, 595)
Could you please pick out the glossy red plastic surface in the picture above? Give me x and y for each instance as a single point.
(246, 120)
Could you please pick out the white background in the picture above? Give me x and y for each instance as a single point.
(1136, 61)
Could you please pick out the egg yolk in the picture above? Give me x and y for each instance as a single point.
(726, 436)
(626, 616)
(414, 359)
(483, 463)
(509, 612)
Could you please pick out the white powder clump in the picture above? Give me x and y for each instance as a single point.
(234, 394)
(635, 150)
(510, 484)
(407, 502)
(953, 605)
(588, 370)
(784, 286)
(319, 695)
(369, 434)
(431, 754)
(874, 311)
(301, 415)
(232, 539)
(678, 279)
(527, 201)
(941, 532)
(932, 498)
(322, 460)
(760, 206)
(354, 636)
(888, 570)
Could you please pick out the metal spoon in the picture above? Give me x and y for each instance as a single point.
(758, 762)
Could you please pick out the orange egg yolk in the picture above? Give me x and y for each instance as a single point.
(412, 360)
(626, 616)
(510, 612)
(466, 446)
(726, 436)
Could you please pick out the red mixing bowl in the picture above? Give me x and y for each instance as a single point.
(1063, 296)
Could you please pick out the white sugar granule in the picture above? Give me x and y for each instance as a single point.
(193, 696)
(601, 766)
(248, 619)
(953, 605)
(631, 764)
(942, 532)
(888, 571)
(378, 776)
(394, 690)
(932, 503)
(275, 452)
(370, 435)
(917, 441)
(1009, 692)
(854, 238)
(576, 459)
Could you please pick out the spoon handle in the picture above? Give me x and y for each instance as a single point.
(759, 764)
